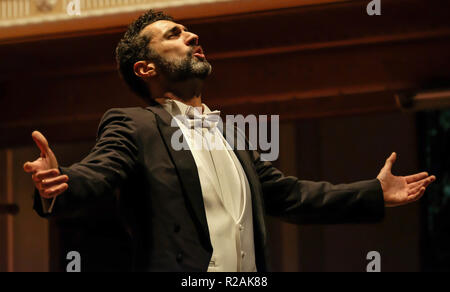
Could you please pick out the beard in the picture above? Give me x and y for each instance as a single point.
(180, 70)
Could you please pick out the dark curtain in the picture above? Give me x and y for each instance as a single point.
(434, 157)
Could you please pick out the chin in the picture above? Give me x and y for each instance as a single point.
(202, 70)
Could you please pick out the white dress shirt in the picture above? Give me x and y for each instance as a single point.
(225, 189)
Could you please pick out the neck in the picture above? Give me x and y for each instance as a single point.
(187, 92)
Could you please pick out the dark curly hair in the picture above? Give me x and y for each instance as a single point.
(133, 48)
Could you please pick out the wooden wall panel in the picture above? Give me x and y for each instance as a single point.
(302, 62)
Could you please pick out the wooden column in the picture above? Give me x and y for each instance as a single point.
(7, 209)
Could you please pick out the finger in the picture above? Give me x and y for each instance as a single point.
(35, 179)
(417, 195)
(31, 166)
(424, 182)
(414, 190)
(54, 191)
(43, 174)
(51, 182)
(417, 186)
(415, 177)
(41, 142)
(390, 161)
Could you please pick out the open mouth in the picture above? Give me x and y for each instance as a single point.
(198, 52)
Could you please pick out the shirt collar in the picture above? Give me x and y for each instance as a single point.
(175, 107)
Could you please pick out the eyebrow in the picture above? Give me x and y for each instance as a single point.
(173, 29)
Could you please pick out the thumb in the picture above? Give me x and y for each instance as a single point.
(41, 142)
(390, 161)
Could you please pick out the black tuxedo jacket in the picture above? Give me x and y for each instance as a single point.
(160, 199)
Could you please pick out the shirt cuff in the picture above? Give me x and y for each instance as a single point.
(47, 205)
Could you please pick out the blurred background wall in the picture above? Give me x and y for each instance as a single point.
(344, 84)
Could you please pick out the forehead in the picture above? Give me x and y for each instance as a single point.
(158, 28)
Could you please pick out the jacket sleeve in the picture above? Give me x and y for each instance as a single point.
(300, 201)
(106, 167)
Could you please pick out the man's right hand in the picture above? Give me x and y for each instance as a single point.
(45, 172)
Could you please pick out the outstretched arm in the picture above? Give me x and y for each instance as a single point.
(301, 201)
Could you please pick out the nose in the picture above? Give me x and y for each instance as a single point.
(192, 39)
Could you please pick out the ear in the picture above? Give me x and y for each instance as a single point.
(144, 69)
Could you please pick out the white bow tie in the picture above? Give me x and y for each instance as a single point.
(197, 120)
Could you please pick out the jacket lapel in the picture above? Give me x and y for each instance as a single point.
(186, 168)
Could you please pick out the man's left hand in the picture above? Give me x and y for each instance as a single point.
(401, 190)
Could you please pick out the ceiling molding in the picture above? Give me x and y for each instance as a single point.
(23, 12)
(21, 19)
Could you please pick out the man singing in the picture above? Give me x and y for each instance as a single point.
(194, 209)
